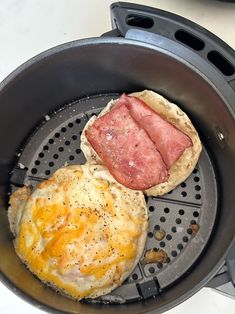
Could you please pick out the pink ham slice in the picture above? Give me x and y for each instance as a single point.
(169, 141)
(126, 150)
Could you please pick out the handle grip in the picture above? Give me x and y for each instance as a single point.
(226, 273)
(230, 262)
(141, 23)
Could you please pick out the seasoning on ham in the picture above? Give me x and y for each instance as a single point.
(169, 141)
(126, 149)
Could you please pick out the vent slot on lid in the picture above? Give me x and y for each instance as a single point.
(222, 64)
(190, 40)
(139, 21)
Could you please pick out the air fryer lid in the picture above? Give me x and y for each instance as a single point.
(61, 88)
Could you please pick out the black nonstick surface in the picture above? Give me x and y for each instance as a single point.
(186, 215)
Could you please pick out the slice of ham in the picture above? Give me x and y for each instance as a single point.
(169, 140)
(126, 150)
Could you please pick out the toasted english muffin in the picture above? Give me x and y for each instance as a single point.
(80, 231)
(184, 166)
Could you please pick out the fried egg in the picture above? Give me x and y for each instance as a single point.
(80, 231)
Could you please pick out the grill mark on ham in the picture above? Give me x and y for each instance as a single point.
(126, 149)
(169, 141)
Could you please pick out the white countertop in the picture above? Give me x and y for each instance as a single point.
(29, 27)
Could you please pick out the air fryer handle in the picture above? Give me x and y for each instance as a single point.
(173, 33)
(230, 262)
(227, 273)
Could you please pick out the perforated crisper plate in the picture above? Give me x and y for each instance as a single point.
(192, 204)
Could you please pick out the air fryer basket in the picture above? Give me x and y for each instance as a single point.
(45, 105)
(179, 213)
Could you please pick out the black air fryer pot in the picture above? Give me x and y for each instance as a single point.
(45, 104)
